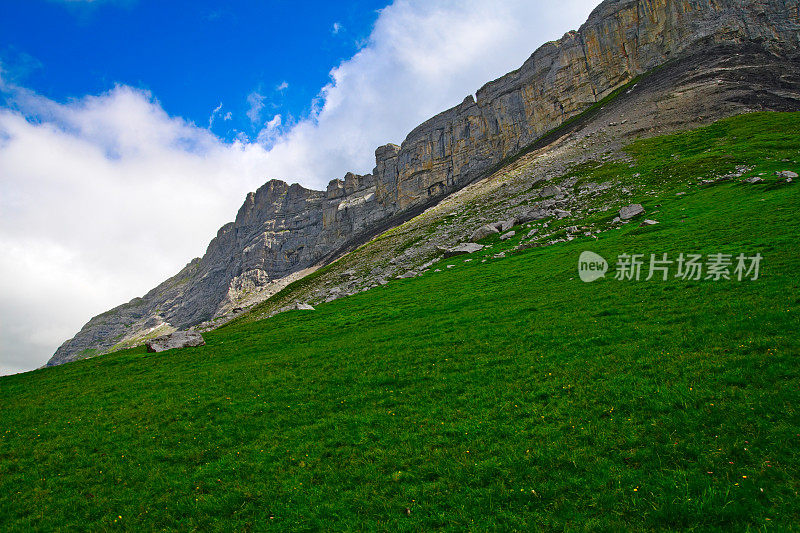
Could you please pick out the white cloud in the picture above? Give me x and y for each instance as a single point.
(282, 87)
(271, 132)
(103, 197)
(99, 199)
(256, 102)
(336, 28)
(214, 115)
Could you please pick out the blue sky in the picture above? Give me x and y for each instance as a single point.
(191, 55)
(111, 178)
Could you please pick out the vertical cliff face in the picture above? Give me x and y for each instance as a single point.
(282, 229)
(621, 40)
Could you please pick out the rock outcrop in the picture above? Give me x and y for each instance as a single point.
(282, 229)
(178, 339)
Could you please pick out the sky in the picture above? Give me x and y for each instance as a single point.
(131, 130)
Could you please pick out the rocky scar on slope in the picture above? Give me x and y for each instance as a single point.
(282, 230)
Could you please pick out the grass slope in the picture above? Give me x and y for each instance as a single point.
(504, 395)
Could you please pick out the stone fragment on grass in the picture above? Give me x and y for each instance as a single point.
(462, 249)
(506, 225)
(178, 339)
(508, 235)
(631, 211)
(535, 214)
(483, 232)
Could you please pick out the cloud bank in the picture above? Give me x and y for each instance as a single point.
(103, 197)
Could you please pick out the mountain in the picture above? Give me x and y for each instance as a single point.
(673, 62)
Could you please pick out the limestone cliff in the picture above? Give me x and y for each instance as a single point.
(621, 40)
(282, 229)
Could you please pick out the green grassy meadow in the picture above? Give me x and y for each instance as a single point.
(497, 396)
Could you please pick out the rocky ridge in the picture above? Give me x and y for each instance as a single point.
(283, 230)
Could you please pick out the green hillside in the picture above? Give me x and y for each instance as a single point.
(497, 395)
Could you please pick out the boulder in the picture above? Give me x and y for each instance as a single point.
(786, 174)
(483, 232)
(507, 224)
(534, 214)
(630, 211)
(304, 307)
(409, 274)
(648, 223)
(508, 235)
(178, 339)
(754, 179)
(462, 249)
(560, 213)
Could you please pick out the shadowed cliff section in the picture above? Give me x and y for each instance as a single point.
(282, 229)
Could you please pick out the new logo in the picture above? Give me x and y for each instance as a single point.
(591, 267)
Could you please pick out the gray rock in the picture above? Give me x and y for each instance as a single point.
(754, 179)
(304, 307)
(631, 211)
(533, 232)
(786, 174)
(508, 235)
(648, 223)
(483, 232)
(178, 339)
(462, 249)
(560, 213)
(535, 214)
(409, 274)
(507, 224)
